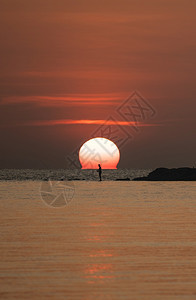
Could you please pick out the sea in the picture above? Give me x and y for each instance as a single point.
(69, 175)
(66, 235)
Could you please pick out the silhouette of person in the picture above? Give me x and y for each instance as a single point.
(100, 171)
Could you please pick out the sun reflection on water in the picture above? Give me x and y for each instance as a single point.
(100, 252)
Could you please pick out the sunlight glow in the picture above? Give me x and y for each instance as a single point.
(99, 151)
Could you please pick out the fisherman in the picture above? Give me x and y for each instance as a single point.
(100, 171)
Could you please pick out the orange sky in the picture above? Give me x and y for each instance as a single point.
(78, 60)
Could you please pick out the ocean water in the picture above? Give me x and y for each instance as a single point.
(75, 174)
(111, 240)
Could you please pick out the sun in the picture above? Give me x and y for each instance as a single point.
(99, 151)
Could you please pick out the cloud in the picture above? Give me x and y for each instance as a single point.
(58, 100)
(84, 122)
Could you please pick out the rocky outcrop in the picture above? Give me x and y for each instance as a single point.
(164, 174)
(123, 179)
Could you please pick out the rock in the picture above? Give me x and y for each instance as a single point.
(75, 179)
(164, 174)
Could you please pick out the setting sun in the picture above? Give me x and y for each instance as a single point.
(99, 151)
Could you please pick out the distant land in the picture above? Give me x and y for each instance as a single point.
(165, 174)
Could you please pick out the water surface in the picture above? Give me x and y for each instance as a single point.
(114, 240)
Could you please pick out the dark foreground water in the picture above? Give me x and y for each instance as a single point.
(92, 175)
(113, 240)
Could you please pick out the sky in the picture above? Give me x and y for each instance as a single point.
(72, 70)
